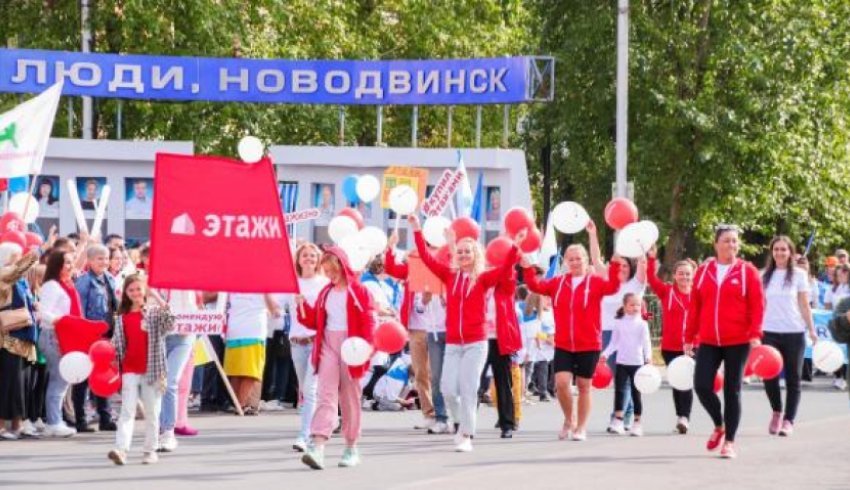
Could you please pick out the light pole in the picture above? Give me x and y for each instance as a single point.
(622, 94)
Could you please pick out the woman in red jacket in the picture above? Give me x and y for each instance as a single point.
(343, 309)
(466, 336)
(576, 299)
(726, 312)
(675, 300)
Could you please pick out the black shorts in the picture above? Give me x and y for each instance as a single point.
(581, 364)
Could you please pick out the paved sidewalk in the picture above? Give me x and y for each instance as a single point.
(234, 452)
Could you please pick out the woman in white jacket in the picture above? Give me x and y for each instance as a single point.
(58, 298)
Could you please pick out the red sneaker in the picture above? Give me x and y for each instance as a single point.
(185, 431)
(715, 439)
(728, 451)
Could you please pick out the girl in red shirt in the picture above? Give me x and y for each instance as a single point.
(576, 299)
(466, 285)
(140, 350)
(675, 300)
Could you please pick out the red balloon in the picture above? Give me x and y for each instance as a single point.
(105, 381)
(517, 219)
(390, 337)
(353, 214)
(601, 376)
(620, 212)
(718, 382)
(532, 242)
(765, 362)
(33, 239)
(444, 255)
(14, 237)
(12, 222)
(748, 369)
(497, 250)
(466, 228)
(102, 353)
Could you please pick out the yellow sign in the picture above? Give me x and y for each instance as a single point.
(416, 178)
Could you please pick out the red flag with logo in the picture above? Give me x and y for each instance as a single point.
(218, 226)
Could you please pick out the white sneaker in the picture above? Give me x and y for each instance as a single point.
(458, 438)
(425, 423)
(40, 425)
(271, 406)
(465, 445)
(839, 384)
(682, 425)
(636, 430)
(9, 435)
(167, 442)
(59, 430)
(439, 428)
(29, 430)
(617, 426)
(117, 456)
(150, 458)
(299, 445)
(579, 435)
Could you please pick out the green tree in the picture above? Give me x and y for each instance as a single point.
(737, 113)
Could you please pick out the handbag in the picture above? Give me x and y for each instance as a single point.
(15, 319)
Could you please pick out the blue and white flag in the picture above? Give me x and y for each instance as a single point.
(478, 201)
(288, 201)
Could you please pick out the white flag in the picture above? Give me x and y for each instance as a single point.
(549, 248)
(24, 132)
(464, 196)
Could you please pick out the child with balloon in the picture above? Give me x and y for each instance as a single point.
(630, 340)
(343, 311)
(675, 300)
(139, 341)
(466, 286)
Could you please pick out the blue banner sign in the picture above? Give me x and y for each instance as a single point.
(396, 82)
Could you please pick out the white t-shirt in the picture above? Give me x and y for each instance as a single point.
(576, 281)
(782, 311)
(722, 270)
(835, 297)
(310, 289)
(431, 317)
(612, 303)
(247, 317)
(630, 340)
(381, 293)
(335, 306)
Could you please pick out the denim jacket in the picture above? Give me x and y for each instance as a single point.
(95, 301)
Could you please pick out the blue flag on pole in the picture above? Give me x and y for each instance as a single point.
(477, 202)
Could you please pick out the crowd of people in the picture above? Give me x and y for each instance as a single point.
(502, 333)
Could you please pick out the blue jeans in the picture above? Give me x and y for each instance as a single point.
(57, 387)
(307, 382)
(177, 350)
(436, 352)
(629, 410)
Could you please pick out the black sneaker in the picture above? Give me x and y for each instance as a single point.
(457, 428)
(107, 426)
(507, 434)
(84, 428)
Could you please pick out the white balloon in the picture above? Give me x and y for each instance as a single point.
(569, 217)
(251, 149)
(368, 188)
(355, 351)
(373, 239)
(827, 356)
(647, 379)
(403, 200)
(358, 255)
(380, 358)
(434, 230)
(75, 367)
(18, 202)
(680, 373)
(636, 239)
(340, 227)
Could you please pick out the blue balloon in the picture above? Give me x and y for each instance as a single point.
(349, 188)
(19, 184)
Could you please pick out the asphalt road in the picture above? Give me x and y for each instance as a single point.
(254, 452)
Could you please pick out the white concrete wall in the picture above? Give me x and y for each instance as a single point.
(307, 165)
